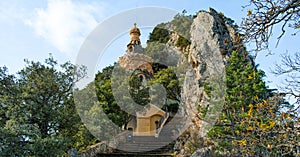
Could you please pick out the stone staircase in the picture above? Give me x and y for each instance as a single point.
(146, 144)
(150, 145)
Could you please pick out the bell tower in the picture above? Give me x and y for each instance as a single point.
(135, 42)
(134, 58)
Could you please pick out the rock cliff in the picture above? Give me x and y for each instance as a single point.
(213, 38)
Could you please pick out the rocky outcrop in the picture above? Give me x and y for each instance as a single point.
(213, 38)
(132, 61)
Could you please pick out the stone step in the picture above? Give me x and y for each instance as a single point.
(143, 149)
(150, 145)
(133, 155)
(161, 138)
(139, 148)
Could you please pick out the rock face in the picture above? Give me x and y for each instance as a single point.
(132, 61)
(213, 38)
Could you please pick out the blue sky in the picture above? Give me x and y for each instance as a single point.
(33, 29)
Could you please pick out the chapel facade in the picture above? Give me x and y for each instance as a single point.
(149, 121)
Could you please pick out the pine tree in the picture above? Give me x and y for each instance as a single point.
(245, 88)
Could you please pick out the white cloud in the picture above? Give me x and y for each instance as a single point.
(65, 24)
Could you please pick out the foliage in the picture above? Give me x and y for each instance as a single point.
(263, 15)
(162, 54)
(89, 109)
(159, 34)
(38, 116)
(252, 123)
(106, 97)
(258, 26)
(182, 43)
(262, 18)
(168, 79)
(180, 25)
(138, 90)
(130, 90)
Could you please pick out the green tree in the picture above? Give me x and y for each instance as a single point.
(133, 92)
(7, 88)
(244, 87)
(162, 54)
(263, 17)
(168, 79)
(252, 123)
(159, 34)
(181, 24)
(106, 98)
(39, 117)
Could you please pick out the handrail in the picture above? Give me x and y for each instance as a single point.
(161, 123)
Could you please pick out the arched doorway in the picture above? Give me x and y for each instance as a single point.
(154, 122)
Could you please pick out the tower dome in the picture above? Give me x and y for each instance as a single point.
(134, 36)
(135, 30)
(135, 57)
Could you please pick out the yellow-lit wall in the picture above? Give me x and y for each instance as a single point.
(146, 125)
(152, 122)
(143, 126)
